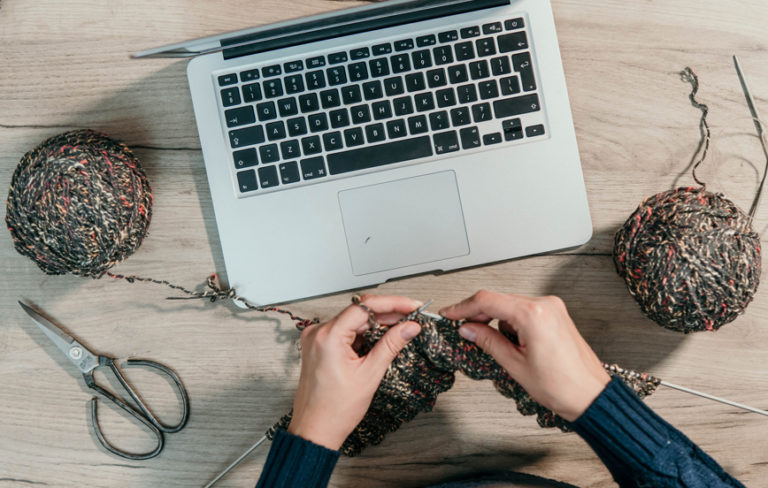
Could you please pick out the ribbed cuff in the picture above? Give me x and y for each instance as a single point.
(296, 462)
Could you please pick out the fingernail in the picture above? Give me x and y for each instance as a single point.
(417, 303)
(467, 333)
(410, 331)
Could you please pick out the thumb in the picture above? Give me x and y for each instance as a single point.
(493, 342)
(390, 345)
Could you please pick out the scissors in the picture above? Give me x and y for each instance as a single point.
(87, 362)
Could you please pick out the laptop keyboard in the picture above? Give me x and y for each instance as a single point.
(331, 115)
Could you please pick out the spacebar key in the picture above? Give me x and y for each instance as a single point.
(379, 155)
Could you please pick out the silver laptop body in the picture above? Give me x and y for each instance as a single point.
(367, 188)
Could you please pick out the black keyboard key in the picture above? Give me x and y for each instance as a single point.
(448, 36)
(488, 89)
(318, 122)
(500, 66)
(466, 93)
(250, 75)
(311, 145)
(513, 24)
(360, 114)
(287, 107)
(460, 116)
(458, 74)
(509, 85)
(375, 133)
(446, 142)
(245, 158)
(513, 129)
(439, 120)
(294, 84)
(312, 168)
(470, 138)
(429, 40)
(394, 86)
(252, 92)
(273, 88)
(381, 49)
(400, 63)
(486, 46)
(333, 141)
(275, 130)
(268, 177)
(353, 137)
(372, 90)
(534, 130)
(330, 98)
(424, 102)
(421, 59)
(415, 82)
(493, 28)
(315, 80)
(246, 137)
(403, 106)
(240, 116)
(381, 110)
(404, 45)
(337, 58)
(339, 118)
(445, 97)
(225, 80)
(358, 71)
(515, 41)
(379, 155)
(479, 69)
(316, 62)
(468, 32)
(482, 112)
(290, 149)
(436, 78)
(309, 103)
(522, 64)
(269, 154)
(490, 139)
(293, 66)
(289, 172)
(464, 51)
(396, 129)
(443, 55)
(379, 67)
(273, 70)
(297, 126)
(360, 53)
(516, 106)
(351, 94)
(230, 96)
(337, 75)
(266, 110)
(246, 181)
(418, 124)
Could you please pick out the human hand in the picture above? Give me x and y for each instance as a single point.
(336, 385)
(551, 361)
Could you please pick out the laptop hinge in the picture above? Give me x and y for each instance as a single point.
(350, 23)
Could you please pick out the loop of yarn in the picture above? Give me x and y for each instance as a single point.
(79, 203)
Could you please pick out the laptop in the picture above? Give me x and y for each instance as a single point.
(400, 138)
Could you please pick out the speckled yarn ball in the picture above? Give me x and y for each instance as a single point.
(690, 259)
(78, 203)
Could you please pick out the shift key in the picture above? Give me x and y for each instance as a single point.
(516, 106)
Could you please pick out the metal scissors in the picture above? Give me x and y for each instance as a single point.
(87, 362)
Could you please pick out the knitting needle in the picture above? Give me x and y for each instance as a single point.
(237, 461)
(714, 398)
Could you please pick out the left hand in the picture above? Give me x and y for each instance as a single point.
(336, 385)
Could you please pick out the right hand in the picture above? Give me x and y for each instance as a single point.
(551, 361)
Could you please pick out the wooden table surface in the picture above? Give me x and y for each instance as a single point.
(65, 65)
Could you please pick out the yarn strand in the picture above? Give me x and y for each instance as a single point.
(689, 76)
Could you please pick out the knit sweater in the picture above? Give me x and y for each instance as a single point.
(639, 448)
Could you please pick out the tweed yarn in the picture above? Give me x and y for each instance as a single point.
(427, 366)
(78, 203)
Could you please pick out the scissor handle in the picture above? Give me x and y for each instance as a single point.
(179, 387)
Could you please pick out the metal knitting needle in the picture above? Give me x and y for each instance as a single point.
(714, 398)
(237, 461)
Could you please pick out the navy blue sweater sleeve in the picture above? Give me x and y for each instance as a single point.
(294, 462)
(641, 449)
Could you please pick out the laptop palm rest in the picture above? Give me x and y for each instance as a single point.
(403, 223)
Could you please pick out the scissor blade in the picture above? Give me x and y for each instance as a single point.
(61, 339)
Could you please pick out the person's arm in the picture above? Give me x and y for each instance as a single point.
(336, 387)
(551, 360)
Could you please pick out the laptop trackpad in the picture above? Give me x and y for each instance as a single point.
(403, 223)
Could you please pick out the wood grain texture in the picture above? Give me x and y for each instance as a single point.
(65, 65)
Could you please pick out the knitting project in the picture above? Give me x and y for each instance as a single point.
(427, 366)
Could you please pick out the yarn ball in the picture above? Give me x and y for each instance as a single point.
(690, 258)
(79, 203)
